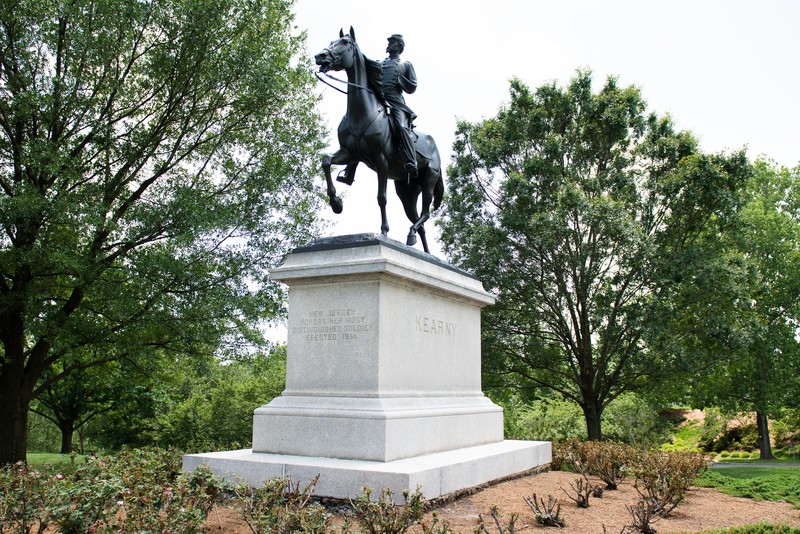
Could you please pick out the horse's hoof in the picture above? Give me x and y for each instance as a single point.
(336, 205)
(411, 240)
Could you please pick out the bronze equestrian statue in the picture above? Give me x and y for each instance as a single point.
(366, 133)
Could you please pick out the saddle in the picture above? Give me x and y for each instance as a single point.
(423, 150)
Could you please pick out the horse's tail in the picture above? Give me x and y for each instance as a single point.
(438, 192)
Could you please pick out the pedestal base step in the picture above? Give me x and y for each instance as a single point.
(437, 475)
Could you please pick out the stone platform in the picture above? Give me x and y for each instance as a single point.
(438, 474)
(383, 378)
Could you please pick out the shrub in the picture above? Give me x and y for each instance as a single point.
(510, 528)
(24, 498)
(582, 489)
(569, 455)
(546, 513)
(642, 516)
(609, 461)
(89, 496)
(83, 499)
(664, 478)
(383, 516)
(606, 460)
(279, 507)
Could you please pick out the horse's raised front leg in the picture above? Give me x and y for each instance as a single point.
(340, 157)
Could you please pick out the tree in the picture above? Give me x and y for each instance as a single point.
(76, 399)
(577, 209)
(155, 160)
(751, 340)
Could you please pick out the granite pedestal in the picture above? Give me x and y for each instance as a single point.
(383, 379)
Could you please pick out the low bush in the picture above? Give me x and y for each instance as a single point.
(546, 513)
(643, 515)
(582, 489)
(279, 507)
(139, 491)
(509, 528)
(664, 478)
(382, 516)
(608, 461)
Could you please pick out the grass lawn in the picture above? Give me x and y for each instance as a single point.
(39, 458)
(759, 483)
(760, 528)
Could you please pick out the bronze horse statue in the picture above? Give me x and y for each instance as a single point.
(365, 135)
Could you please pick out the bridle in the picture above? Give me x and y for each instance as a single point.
(337, 59)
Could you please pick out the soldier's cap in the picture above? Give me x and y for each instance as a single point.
(396, 37)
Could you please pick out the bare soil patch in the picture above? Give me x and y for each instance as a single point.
(703, 509)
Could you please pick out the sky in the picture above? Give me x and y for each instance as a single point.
(729, 70)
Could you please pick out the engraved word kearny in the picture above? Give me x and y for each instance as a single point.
(436, 327)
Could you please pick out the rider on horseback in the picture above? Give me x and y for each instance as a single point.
(398, 78)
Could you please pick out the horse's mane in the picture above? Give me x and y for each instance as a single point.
(374, 74)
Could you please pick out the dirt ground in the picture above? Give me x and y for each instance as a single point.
(703, 509)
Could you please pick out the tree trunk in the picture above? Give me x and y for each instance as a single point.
(66, 438)
(592, 413)
(764, 445)
(14, 402)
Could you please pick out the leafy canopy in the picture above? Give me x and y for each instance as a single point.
(577, 207)
(155, 160)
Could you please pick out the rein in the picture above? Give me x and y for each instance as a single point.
(351, 84)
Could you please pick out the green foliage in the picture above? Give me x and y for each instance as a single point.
(157, 160)
(686, 438)
(548, 419)
(279, 507)
(218, 412)
(54, 459)
(382, 516)
(43, 435)
(576, 207)
(89, 496)
(760, 528)
(737, 315)
(630, 419)
(24, 497)
(761, 483)
(192, 403)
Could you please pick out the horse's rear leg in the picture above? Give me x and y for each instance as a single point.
(408, 195)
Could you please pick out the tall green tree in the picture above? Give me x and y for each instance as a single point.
(742, 316)
(77, 398)
(577, 208)
(155, 160)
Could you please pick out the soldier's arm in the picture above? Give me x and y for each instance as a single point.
(408, 80)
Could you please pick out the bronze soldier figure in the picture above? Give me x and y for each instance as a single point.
(398, 78)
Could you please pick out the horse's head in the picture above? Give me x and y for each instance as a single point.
(340, 54)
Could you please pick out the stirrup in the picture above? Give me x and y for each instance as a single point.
(344, 178)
